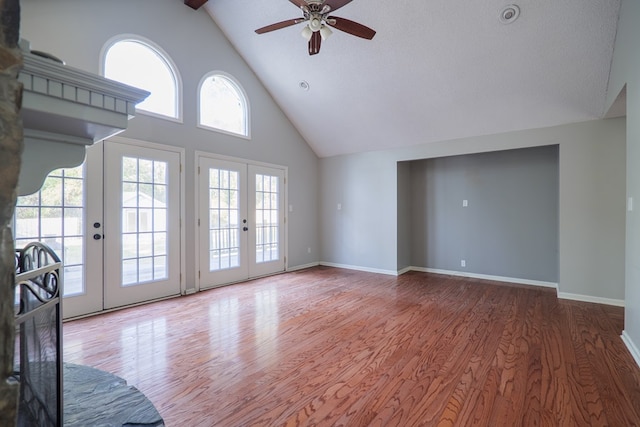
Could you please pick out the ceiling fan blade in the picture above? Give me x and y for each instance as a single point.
(279, 25)
(299, 3)
(336, 4)
(314, 43)
(194, 4)
(351, 27)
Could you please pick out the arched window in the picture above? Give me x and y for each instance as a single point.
(223, 105)
(138, 62)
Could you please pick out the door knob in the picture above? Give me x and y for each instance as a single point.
(97, 236)
(245, 228)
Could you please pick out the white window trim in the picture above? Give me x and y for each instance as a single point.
(242, 92)
(165, 56)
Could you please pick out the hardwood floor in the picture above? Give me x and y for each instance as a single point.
(327, 346)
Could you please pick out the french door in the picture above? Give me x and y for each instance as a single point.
(111, 221)
(142, 224)
(240, 221)
(57, 215)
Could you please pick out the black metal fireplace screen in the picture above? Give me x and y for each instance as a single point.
(38, 358)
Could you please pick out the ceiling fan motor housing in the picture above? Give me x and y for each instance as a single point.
(315, 23)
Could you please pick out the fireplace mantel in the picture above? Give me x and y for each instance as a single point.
(65, 109)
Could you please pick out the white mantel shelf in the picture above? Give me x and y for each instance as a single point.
(65, 109)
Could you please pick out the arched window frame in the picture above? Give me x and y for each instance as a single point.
(243, 96)
(164, 56)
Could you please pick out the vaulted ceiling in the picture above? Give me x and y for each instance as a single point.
(436, 69)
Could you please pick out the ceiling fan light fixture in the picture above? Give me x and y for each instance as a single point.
(306, 33)
(315, 23)
(325, 32)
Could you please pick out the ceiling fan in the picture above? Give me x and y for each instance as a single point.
(316, 15)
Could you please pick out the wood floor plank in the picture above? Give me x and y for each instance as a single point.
(531, 411)
(326, 346)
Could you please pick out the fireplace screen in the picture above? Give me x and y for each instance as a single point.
(38, 359)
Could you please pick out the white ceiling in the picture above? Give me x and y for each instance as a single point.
(436, 69)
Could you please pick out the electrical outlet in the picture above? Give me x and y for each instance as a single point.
(309, 250)
(463, 263)
(465, 203)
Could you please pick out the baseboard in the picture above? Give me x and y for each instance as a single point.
(631, 346)
(358, 268)
(487, 277)
(404, 270)
(303, 266)
(561, 295)
(588, 298)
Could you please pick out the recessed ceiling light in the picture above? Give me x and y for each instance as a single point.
(509, 14)
(303, 85)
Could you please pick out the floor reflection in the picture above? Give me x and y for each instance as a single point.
(266, 326)
(144, 348)
(74, 347)
(224, 326)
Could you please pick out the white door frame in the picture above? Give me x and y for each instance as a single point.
(196, 178)
(181, 152)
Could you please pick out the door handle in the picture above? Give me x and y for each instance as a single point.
(245, 228)
(97, 236)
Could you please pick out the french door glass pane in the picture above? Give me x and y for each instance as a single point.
(144, 221)
(267, 226)
(224, 214)
(54, 216)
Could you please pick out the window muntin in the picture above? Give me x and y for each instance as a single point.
(144, 221)
(55, 215)
(140, 64)
(223, 105)
(267, 218)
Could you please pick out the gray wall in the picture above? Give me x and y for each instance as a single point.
(405, 225)
(510, 226)
(365, 233)
(76, 31)
(626, 71)
(592, 211)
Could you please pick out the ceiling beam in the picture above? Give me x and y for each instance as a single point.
(194, 4)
